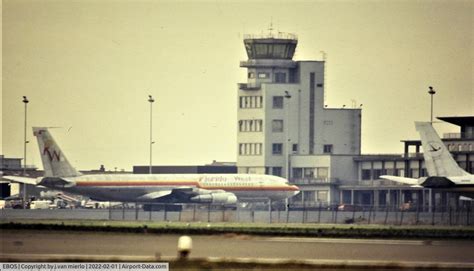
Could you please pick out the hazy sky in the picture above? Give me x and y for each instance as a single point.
(88, 66)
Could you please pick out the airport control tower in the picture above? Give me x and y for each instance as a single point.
(283, 125)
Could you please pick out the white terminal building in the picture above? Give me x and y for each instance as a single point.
(284, 127)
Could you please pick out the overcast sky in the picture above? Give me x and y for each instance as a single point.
(88, 66)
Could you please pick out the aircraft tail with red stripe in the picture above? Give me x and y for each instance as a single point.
(54, 161)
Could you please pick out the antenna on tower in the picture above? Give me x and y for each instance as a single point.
(270, 28)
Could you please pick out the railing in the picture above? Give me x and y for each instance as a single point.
(279, 35)
(314, 180)
(302, 212)
(458, 136)
(245, 86)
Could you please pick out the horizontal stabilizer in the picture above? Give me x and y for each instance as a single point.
(18, 179)
(410, 181)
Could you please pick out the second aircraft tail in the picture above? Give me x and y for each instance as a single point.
(438, 160)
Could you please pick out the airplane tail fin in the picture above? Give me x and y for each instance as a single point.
(54, 161)
(438, 160)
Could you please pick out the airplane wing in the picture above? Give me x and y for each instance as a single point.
(190, 194)
(18, 179)
(410, 181)
(155, 195)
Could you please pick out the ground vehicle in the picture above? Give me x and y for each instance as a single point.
(14, 202)
(349, 208)
(40, 204)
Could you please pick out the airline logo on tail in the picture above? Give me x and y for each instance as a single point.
(47, 145)
(434, 148)
(51, 156)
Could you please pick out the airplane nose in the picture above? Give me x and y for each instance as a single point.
(297, 190)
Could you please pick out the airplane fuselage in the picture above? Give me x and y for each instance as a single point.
(132, 187)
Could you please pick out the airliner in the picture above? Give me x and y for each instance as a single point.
(153, 188)
(443, 171)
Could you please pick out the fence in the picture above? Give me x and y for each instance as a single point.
(343, 214)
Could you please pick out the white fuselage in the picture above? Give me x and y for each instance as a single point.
(132, 187)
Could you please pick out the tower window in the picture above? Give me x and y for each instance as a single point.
(277, 148)
(262, 75)
(327, 149)
(277, 101)
(251, 75)
(277, 126)
(295, 148)
(280, 77)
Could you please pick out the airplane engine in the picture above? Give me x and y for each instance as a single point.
(220, 197)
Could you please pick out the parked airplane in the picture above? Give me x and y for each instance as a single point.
(443, 171)
(166, 188)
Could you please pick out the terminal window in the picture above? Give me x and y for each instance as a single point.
(277, 171)
(366, 174)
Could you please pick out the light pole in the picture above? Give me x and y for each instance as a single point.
(25, 101)
(151, 100)
(432, 92)
(287, 124)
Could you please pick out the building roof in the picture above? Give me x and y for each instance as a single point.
(460, 121)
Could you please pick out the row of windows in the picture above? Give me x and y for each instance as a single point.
(276, 171)
(279, 77)
(251, 102)
(374, 174)
(312, 196)
(460, 147)
(256, 148)
(261, 75)
(250, 148)
(311, 173)
(257, 102)
(277, 148)
(250, 125)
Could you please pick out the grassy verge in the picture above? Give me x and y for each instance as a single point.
(306, 230)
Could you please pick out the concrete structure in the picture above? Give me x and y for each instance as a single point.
(284, 127)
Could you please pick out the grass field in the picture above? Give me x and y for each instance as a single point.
(310, 230)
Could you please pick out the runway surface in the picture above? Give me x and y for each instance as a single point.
(42, 243)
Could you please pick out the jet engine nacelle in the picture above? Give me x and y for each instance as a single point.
(437, 182)
(220, 197)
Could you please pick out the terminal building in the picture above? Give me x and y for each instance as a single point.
(369, 189)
